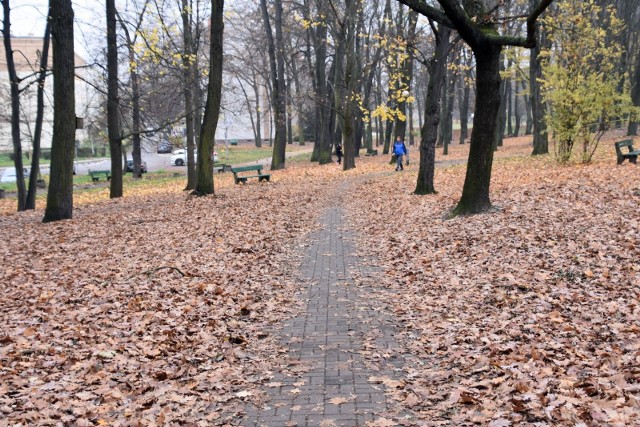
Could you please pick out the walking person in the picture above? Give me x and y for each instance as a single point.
(399, 149)
(339, 153)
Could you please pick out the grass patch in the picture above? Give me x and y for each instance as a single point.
(238, 155)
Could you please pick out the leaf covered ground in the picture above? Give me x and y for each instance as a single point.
(528, 315)
(160, 309)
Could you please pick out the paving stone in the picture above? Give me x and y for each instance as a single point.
(330, 336)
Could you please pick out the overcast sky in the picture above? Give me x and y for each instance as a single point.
(28, 18)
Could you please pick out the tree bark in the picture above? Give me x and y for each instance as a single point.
(407, 74)
(136, 152)
(188, 63)
(501, 122)
(527, 108)
(276, 64)
(349, 81)
(429, 131)
(516, 108)
(113, 101)
(509, 99)
(60, 194)
(14, 83)
(206, 143)
(464, 105)
(635, 93)
(475, 192)
(540, 137)
(35, 154)
(256, 90)
(447, 124)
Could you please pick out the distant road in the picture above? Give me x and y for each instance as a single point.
(155, 162)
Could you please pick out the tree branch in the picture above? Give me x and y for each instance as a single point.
(429, 11)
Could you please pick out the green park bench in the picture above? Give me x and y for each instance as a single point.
(234, 142)
(243, 178)
(95, 175)
(632, 155)
(372, 153)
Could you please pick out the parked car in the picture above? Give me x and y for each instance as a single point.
(179, 157)
(164, 147)
(129, 167)
(9, 175)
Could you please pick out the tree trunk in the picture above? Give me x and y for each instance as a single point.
(349, 80)
(540, 138)
(204, 184)
(256, 89)
(299, 102)
(411, 139)
(35, 155)
(509, 109)
(407, 73)
(475, 193)
(276, 61)
(60, 194)
(527, 108)
(187, 73)
(461, 88)
(14, 83)
(113, 101)
(464, 105)
(471, 23)
(516, 109)
(136, 153)
(429, 131)
(323, 126)
(501, 120)
(289, 114)
(447, 128)
(635, 93)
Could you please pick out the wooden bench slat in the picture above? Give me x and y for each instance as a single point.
(95, 175)
(632, 155)
(250, 168)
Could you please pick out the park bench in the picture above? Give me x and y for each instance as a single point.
(221, 167)
(632, 155)
(243, 178)
(95, 175)
(372, 153)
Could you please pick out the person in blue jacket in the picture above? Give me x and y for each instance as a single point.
(399, 149)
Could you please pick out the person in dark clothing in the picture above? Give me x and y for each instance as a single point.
(339, 153)
(399, 149)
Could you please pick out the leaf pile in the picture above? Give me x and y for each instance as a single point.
(154, 308)
(526, 315)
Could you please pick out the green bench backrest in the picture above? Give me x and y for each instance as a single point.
(247, 168)
(625, 143)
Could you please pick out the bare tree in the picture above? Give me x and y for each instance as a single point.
(474, 24)
(278, 93)
(437, 67)
(60, 195)
(14, 83)
(134, 80)
(35, 153)
(113, 118)
(206, 143)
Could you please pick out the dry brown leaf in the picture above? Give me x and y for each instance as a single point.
(381, 422)
(338, 400)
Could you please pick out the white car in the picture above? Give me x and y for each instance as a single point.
(179, 157)
(9, 175)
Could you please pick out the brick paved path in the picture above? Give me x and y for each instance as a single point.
(335, 347)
